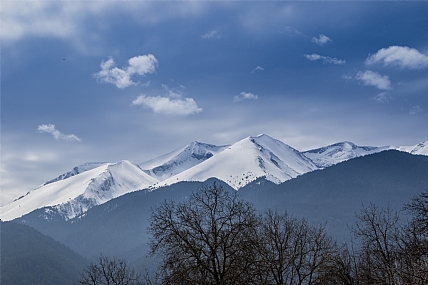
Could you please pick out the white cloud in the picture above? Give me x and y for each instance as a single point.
(36, 18)
(321, 40)
(404, 57)
(415, 109)
(66, 19)
(171, 104)
(50, 129)
(140, 65)
(383, 97)
(168, 106)
(371, 78)
(325, 59)
(211, 35)
(257, 68)
(245, 96)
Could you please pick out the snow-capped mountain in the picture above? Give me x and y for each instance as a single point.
(420, 148)
(339, 152)
(175, 162)
(91, 184)
(247, 160)
(76, 170)
(77, 193)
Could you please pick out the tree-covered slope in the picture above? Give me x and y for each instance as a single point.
(29, 257)
(334, 194)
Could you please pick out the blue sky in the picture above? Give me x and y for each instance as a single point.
(107, 81)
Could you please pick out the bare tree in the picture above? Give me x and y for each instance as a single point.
(418, 208)
(293, 252)
(414, 246)
(109, 271)
(276, 250)
(378, 231)
(342, 269)
(208, 239)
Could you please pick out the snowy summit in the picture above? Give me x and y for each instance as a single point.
(90, 184)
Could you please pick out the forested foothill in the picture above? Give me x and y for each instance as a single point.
(333, 204)
(215, 237)
(29, 257)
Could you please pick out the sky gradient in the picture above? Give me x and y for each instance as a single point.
(107, 81)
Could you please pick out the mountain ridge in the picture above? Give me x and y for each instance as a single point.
(91, 184)
(329, 196)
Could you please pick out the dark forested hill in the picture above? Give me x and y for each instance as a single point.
(116, 228)
(330, 196)
(29, 257)
(333, 195)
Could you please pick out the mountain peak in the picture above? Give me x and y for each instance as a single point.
(420, 148)
(76, 194)
(253, 157)
(339, 152)
(179, 160)
(247, 160)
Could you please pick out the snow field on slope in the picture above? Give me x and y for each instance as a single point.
(421, 148)
(51, 194)
(245, 161)
(179, 160)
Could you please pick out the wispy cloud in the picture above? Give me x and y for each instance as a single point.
(290, 31)
(414, 110)
(245, 96)
(383, 97)
(140, 65)
(372, 78)
(50, 129)
(325, 59)
(401, 56)
(257, 68)
(321, 40)
(171, 104)
(211, 35)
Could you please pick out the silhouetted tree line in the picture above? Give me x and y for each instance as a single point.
(214, 237)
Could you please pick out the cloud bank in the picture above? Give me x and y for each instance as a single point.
(371, 78)
(403, 57)
(50, 129)
(140, 65)
(325, 59)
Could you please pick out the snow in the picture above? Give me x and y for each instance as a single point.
(247, 160)
(91, 184)
(76, 170)
(339, 152)
(420, 148)
(179, 160)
